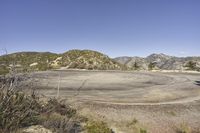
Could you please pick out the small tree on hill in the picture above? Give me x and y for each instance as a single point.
(151, 65)
(191, 65)
(136, 66)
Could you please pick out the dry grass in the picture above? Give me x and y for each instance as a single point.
(136, 127)
(183, 128)
(17, 110)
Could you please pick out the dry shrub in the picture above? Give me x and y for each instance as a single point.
(17, 110)
(97, 127)
(53, 105)
(136, 127)
(183, 128)
(60, 118)
(60, 124)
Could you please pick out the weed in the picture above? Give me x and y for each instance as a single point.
(135, 126)
(183, 128)
(172, 113)
(143, 130)
(97, 127)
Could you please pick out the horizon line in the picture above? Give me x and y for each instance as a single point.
(157, 53)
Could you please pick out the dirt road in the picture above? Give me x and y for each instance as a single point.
(130, 88)
(159, 101)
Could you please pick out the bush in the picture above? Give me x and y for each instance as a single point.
(133, 122)
(183, 128)
(136, 66)
(59, 123)
(17, 110)
(53, 105)
(135, 126)
(191, 65)
(4, 70)
(151, 65)
(143, 130)
(97, 127)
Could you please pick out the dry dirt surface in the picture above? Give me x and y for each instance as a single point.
(160, 102)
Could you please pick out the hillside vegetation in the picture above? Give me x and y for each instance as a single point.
(161, 62)
(87, 59)
(93, 60)
(74, 59)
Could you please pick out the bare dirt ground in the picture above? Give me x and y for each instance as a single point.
(161, 102)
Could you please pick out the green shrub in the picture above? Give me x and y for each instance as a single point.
(151, 66)
(191, 65)
(97, 127)
(143, 130)
(3, 70)
(136, 66)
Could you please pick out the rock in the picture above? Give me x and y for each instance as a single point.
(37, 129)
(33, 64)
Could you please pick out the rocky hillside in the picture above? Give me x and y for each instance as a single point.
(87, 59)
(78, 59)
(161, 62)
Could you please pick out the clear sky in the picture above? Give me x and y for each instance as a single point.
(114, 27)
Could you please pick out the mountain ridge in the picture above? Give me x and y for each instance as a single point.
(75, 59)
(161, 62)
(94, 60)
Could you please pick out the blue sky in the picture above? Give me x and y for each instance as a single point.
(114, 27)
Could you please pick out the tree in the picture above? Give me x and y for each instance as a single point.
(136, 66)
(191, 65)
(151, 65)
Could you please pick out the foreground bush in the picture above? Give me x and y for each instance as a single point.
(97, 127)
(54, 105)
(18, 110)
(60, 118)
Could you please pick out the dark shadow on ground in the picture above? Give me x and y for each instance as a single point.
(197, 83)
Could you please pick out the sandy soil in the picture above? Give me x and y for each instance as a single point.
(161, 102)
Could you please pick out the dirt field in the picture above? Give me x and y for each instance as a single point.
(160, 102)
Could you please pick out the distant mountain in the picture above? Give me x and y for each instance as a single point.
(133, 62)
(77, 59)
(161, 62)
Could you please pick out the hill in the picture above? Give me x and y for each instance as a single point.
(76, 59)
(87, 59)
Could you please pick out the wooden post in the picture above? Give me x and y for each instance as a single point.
(58, 89)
